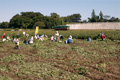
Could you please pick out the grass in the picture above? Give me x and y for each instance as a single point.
(45, 60)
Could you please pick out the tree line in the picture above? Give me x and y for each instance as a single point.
(102, 18)
(29, 20)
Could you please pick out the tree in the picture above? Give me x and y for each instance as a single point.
(101, 16)
(40, 24)
(54, 15)
(113, 19)
(55, 20)
(0, 25)
(14, 22)
(4, 25)
(93, 15)
(72, 18)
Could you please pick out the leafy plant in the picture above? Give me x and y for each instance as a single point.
(82, 71)
(101, 67)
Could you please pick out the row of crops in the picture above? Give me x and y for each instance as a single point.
(77, 34)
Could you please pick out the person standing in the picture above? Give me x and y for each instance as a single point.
(18, 34)
(24, 33)
(3, 35)
(57, 36)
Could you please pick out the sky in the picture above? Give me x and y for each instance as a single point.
(9, 8)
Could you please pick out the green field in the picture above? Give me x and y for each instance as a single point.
(45, 60)
(77, 34)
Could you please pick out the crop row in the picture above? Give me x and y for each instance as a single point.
(77, 34)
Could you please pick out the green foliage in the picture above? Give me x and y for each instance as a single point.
(4, 25)
(101, 67)
(40, 24)
(72, 18)
(102, 18)
(81, 34)
(82, 71)
(14, 57)
(29, 20)
(46, 60)
(54, 15)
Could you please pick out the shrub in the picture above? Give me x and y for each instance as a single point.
(82, 71)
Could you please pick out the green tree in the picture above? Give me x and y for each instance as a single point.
(4, 25)
(113, 19)
(55, 20)
(54, 15)
(72, 18)
(0, 25)
(94, 17)
(14, 22)
(40, 24)
(101, 16)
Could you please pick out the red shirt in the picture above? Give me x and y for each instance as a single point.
(1, 36)
(103, 36)
(4, 34)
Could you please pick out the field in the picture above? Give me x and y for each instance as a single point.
(45, 60)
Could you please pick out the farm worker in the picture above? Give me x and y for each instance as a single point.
(27, 35)
(89, 39)
(35, 36)
(41, 37)
(25, 41)
(46, 36)
(70, 36)
(66, 41)
(38, 36)
(8, 38)
(51, 39)
(3, 35)
(13, 38)
(61, 37)
(24, 33)
(57, 36)
(103, 37)
(17, 45)
(4, 39)
(54, 38)
(18, 34)
(31, 40)
(70, 39)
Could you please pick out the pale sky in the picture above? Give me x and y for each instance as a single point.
(9, 8)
